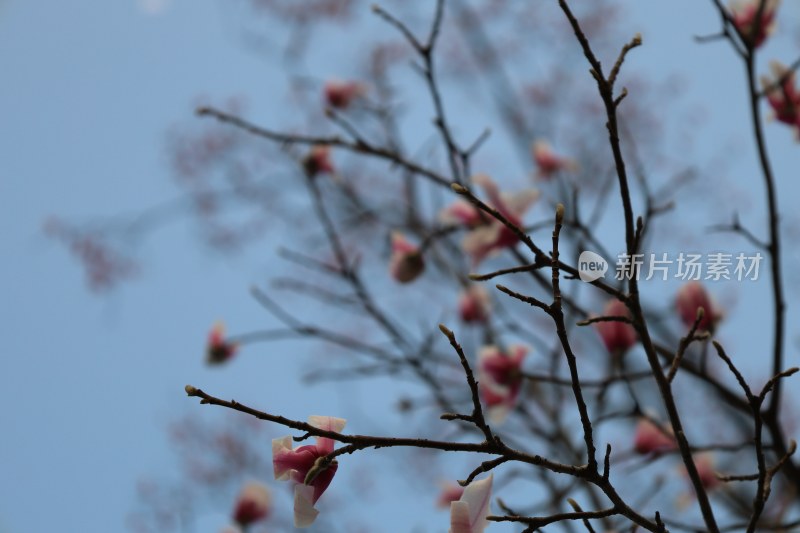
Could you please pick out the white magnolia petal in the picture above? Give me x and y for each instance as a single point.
(519, 202)
(304, 511)
(488, 352)
(477, 495)
(497, 414)
(327, 423)
(480, 242)
(468, 515)
(459, 517)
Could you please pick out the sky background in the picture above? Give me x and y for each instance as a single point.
(89, 382)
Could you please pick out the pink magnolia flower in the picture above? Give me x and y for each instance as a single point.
(406, 262)
(218, 349)
(784, 98)
(744, 13)
(468, 514)
(318, 161)
(705, 469)
(689, 299)
(651, 440)
(549, 162)
(618, 337)
(487, 235)
(294, 464)
(340, 94)
(500, 379)
(474, 304)
(253, 505)
(451, 492)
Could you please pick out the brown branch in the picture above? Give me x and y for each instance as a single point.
(606, 91)
(477, 411)
(308, 140)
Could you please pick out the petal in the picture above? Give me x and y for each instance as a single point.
(460, 212)
(323, 480)
(481, 242)
(489, 187)
(488, 352)
(459, 517)
(327, 423)
(280, 448)
(304, 512)
(518, 353)
(497, 414)
(468, 515)
(293, 464)
(519, 202)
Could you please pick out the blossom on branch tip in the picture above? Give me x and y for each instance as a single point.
(474, 304)
(468, 514)
(318, 161)
(548, 162)
(295, 464)
(219, 350)
(652, 440)
(487, 235)
(406, 262)
(340, 94)
(744, 13)
(691, 297)
(253, 504)
(617, 336)
(783, 96)
(500, 379)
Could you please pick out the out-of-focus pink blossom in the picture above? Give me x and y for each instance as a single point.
(618, 337)
(340, 94)
(500, 379)
(783, 96)
(744, 14)
(461, 213)
(468, 514)
(219, 350)
(406, 262)
(451, 492)
(295, 464)
(318, 161)
(548, 162)
(704, 463)
(474, 304)
(689, 299)
(651, 440)
(487, 235)
(253, 504)
(705, 469)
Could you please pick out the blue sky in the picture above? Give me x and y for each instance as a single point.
(90, 88)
